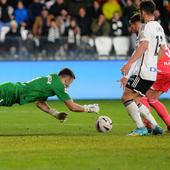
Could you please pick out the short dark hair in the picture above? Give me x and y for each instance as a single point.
(66, 72)
(135, 18)
(148, 6)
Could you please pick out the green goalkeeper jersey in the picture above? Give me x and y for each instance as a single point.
(37, 89)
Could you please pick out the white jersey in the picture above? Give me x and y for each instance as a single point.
(146, 66)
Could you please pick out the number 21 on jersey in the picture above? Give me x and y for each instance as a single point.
(159, 39)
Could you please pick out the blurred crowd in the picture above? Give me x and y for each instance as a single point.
(49, 20)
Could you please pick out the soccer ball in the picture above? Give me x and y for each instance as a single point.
(104, 124)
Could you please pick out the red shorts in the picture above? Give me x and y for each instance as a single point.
(162, 82)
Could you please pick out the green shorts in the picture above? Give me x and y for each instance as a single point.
(9, 94)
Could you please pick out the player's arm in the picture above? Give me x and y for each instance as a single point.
(161, 51)
(42, 105)
(123, 80)
(143, 46)
(71, 105)
(138, 53)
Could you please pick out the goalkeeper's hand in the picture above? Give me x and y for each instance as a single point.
(62, 116)
(92, 108)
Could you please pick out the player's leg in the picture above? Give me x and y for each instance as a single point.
(161, 85)
(7, 94)
(139, 86)
(146, 114)
(133, 110)
(149, 120)
(144, 101)
(158, 106)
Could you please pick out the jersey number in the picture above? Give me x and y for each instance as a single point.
(159, 39)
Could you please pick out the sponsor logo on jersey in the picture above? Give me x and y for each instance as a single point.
(65, 90)
(153, 69)
(49, 80)
(167, 63)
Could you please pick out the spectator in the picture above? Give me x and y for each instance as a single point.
(54, 31)
(116, 25)
(14, 30)
(166, 16)
(128, 10)
(110, 7)
(13, 38)
(21, 15)
(137, 4)
(41, 24)
(74, 6)
(84, 22)
(73, 34)
(101, 2)
(100, 26)
(57, 7)
(34, 10)
(6, 14)
(64, 20)
(157, 15)
(31, 47)
(95, 10)
(52, 45)
(72, 30)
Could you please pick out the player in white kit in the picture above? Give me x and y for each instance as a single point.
(144, 60)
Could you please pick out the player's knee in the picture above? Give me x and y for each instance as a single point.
(125, 98)
(152, 100)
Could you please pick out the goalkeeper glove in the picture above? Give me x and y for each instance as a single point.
(62, 116)
(92, 108)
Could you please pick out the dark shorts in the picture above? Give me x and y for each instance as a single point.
(139, 85)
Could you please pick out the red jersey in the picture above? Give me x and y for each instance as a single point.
(164, 63)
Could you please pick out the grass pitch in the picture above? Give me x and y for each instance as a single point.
(32, 140)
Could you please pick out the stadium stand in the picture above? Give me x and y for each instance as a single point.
(68, 29)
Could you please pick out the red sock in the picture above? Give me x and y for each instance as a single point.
(144, 101)
(161, 110)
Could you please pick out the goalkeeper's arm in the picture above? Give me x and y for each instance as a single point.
(43, 106)
(53, 112)
(71, 105)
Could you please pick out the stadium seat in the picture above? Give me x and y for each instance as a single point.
(121, 45)
(103, 45)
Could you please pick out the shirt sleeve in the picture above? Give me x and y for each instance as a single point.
(43, 99)
(163, 42)
(62, 94)
(145, 33)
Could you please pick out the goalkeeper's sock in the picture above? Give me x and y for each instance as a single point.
(147, 115)
(162, 111)
(134, 112)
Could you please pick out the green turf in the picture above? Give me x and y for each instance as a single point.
(32, 140)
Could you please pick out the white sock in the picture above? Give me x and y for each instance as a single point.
(147, 115)
(134, 112)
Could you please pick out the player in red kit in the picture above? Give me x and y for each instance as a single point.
(160, 86)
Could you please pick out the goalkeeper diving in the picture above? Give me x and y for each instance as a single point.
(39, 89)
